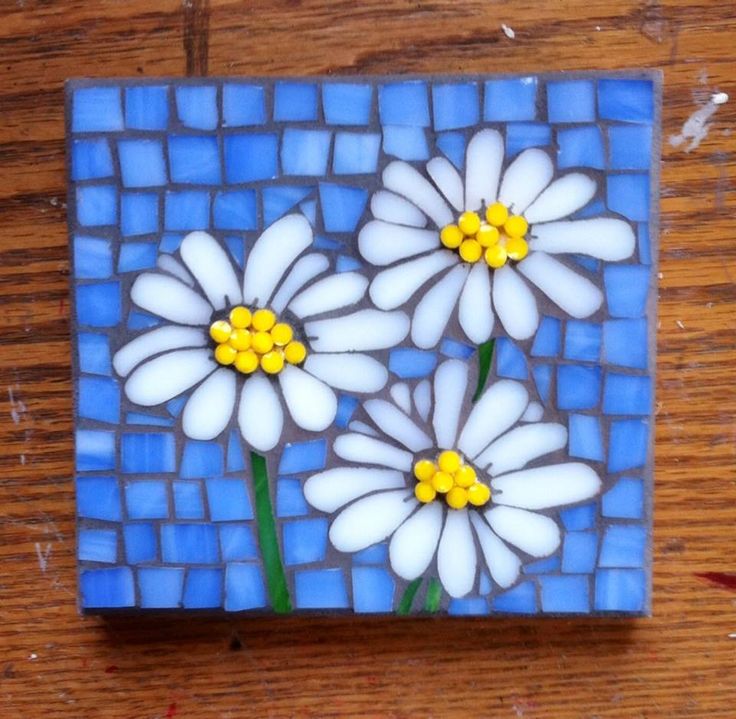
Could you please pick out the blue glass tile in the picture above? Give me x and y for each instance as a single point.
(242, 105)
(277, 201)
(235, 457)
(189, 543)
(97, 109)
(290, 500)
(468, 606)
(356, 153)
(309, 210)
(453, 348)
(160, 587)
(201, 459)
(586, 440)
(237, 543)
(176, 405)
(627, 394)
(203, 588)
(579, 552)
(94, 450)
(581, 147)
(187, 210)
(520, 135)
(147, 499)
(628, 444)
(135, 256)
(97, 205)
(188, 500)
(455, 105)
(228, 500)
(583, 341)
(303, 457)
(522, 599)
(346, 405)
(592, 209)
(563, 595)
(373, 590)
(404, 103)
(142, 163)
(194, 159)
(92, 258)
(147, 452)
(342, 206)
(141, 320)
(628, 194)
(624, 546)
(148, 419)
(571, 101)
(347, 264)
(577, 518)
(452, 146)
(251, 157)
(625, 500)
(627, 287)
(99, 398)
(97, 545)
(295, 101)
(324, 243)
(91, 159)
(305, 540)
(543, 566)
(626, 100)
(138, 214)
(578, 387)
(547, 340)
(141, 544)
(98, 498)
(510, 360)
(630, 147)
(377, 554)
(147, 107)
(645, 250)
(94, 353)
(625, 343)
(108, 588)
(98, 305)
(543, 380)
(236, 245)
(236, 210)
(511, 99)
(197, 106)
(305, 152)
(588, 263)
(244, 588)
(406, 143)
(347, 103)
(411, 363)
(484, 583)
(620, 590)
(320, 589)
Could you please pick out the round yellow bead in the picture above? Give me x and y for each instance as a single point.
(272, 362)
(516, 226)
(451, 236)
(424, 492)
(246, 362)
(497, 214)
(449, 461)
(469, 223)
(471, 251)
(295, 352)
(424, 470)
(465, 476)
(239, 340)
(442, 482)
(220, 331)
(487, 235)
(261, 342)
(457, 497)
(263, 320)
(225, 354)
(517, 248)
(240, 317)
(478, 494)
(281, 333)
(496, 256)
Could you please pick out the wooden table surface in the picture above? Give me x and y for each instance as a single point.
(680, 663)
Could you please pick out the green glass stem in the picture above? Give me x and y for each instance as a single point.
(407, 599)
(485, 358)
(434, 596)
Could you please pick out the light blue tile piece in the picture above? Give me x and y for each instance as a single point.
(196, 106)
(138, 214)
(356, 153)
(194, 159)
(251, 157)
(628, 444)
(99, 498)
(94, 353)
(176, 405)
(277, 201)
(625, 343)
(147, 452)
(645, 250)
(564, 595)
(581, 147)
(452, 146)
(346, 405)
(571, 101)
(290, 500)
(236, 245)
(107, 588)
(373, 590)
(625, 500)
(320, 589)
(455, 105)
(624, 545)
(453, 348)
(510, 100)
(203, 588)
(579, 552)
(626, 100)
(147, 107)
(97, 545)
(627, 394)
(187, 210)
(628, 194)
(236, 210)
(583, 340)
(201, 459)
(97, 205)
(468, 606)
(305, 541)
(510, 360)
(136, 256)
(347, 103)
(521, 135)
(99, 399)
(228, 500)
(160, 587)
(150, 420)
(142, 163)
(138, 320)
(235, 457)
(578, 387)
(630, 147)
(95, 450)
(543, 380)
(303, 457)
(404, 103)
(585, 438)
(242, 105)
(237, 543)
(309, 210)
(484, 583)
(543, 566)
(244, 588)
(626, 287)
(92, 258)
(522, 599)
(147, 499)
(98, 305)
(189, 544)
(141, 544)
(344, 263)
(97, 109)
(294, 101)
(91, 159)
(188, 500)
(592, 209)
(342, 206)
(410, 363)
(547, 340)
(406, 143)
(305, 152)
(620, 590)
(580, 517)
(377, 554)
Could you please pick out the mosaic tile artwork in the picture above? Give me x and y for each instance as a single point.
(370, 345)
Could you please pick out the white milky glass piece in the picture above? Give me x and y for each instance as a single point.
(448, 181)
(525, 178)
(396, 425)
(357, 426)
(273, 252)
(168, 298)
(402, 178)
(391, 288)
(483, 168)
(168, 375)
(349, 372)
(154, 342)
(433, 311)
(367, 450)
(514, 304)
(544, 487)
(311, 403)
(415, 541)
(521, 445)
(382, 243)
(401, 394)
(305, 269)
(534, 412)
(474, 310)
(330, 293)
(168, 264)
(208, 410)
(605, 238)
(456, 558)
(503, 564)
(371, 520)
(362, 330)
(208, 262)
(498, 408)
(260, 415)
(563, 197)
(450, 383)
(389, 207)
(423, 399)
(333, 488)
(571, 292)
(533, 533)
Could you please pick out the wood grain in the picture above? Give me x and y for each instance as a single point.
(681, 663)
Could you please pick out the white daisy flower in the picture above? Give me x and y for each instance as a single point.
(259, 328)
(485, 237)
(448, 489)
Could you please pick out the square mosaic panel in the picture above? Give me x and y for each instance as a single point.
(364, 345)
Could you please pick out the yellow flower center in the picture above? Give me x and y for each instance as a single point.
(449, 476)
(249, 340)
(497, 240)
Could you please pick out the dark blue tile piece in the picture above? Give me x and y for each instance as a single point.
(189, 543)
(628, 443)
(625, 343)
(94, 353)
(626, 100)
(305, 152)
(196, 106)
(411, 363)
(303, 457)
(455, 105)
(452, 146)
(406, 143)
(320, 589)
(194, 159)
(468, 606)
(579, 552)
(141, 544)
(543, 380)
(342, 206)
(160, 587)
(148, 452)
(592, 209)
(645, 250)
(627, 394)
(453, 348)
(97, 109)
(309, 210)
(583, 341)
(242, 105)
(141, 320)
(543, 566)
(630, 147)
(236, 210)
(97, 545)
(522, 599)
(347, 264)
(237, 542)
(142, 163)
(99, 399)
(97, 205)
(356, 153)
(201, 459)
(138, 214)
(563, 595)
(510, 360)
(235, 457)
(147, 107)
(94, 450)
(251, 157)
(244, 588)
(91, 159)
(188, 500)
(404, 103)
(625, 500)
(346, 103)
(581, 147)
(586, 440)
(510, 100)
(203, 588)
(236, 245)
(324, 243)
(620, 590)
(228, 500)
(99, 498)
(571, 101)
(624, 545)
(107, 588)
(98, 305)
(187, 210)
(170, 242)
(628, 194)
(147, 499)
(92, 258)
(346, 405)
(547, 340)
(373, 590)
(627, 287)
(588, 263)
(150, 420)
(176, 405)
(578, 387)
(136, 256)
(577, 518)
(294, 101)
(290, 500)
(377, 554)
(520, 135)
(305, 540)
(277, 201)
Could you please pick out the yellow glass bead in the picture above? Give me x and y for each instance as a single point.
(281, 334)
(497, 214)
(424, 492)
(442, 482)
(239, 340)
(478, 494)
(465, 476)
(261, 342)
(516, 226)
(457, 497)
(451, 236)
(246, 362)
(220, 331)
(471, 251)
(487, 235)
(240, 317)
(469, 223)
(225, 354)
(424, 470)
(263, 320)
(449, 461)
(295, 352)
(272, 362)
(517, 248)
(496, 256)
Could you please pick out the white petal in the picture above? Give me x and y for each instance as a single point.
(502, 563)
(168, 264)
(447, 179)
(483, 168)
(533, 533)
(474, 310)
(170, 299)
(571, 292)
(391, 288)
(403, 179)
(521, 445)
(544, 487)
(330, 293)
(209, 263)
(387, 206)
(456, 559)
(514, 304)
(534, 412)
(208, 410)
(366, 450)
(304, 270)
(563, 197)
(525, 178)
(423, 399)
(357, 426)
(450, 383)
(415, 541)
(382, 243)
(370, 520)
(401, 394)
(605, 238)
(435, 308)
(349, 372)
(151, 343)
(362, 330)
(311, 403)
(498, 408)
(273, 252)
(333, 488)
(396, 425)
(168, 375)
(260, 415)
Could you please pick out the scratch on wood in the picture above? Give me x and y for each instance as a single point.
(43, 556)
(196, 35)
(17, 407)
(696, 126)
